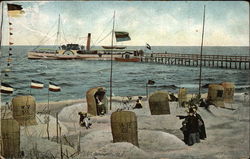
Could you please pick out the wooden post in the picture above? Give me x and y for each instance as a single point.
(47, 118)
(79, 143)
(61, 149)
(57, 140)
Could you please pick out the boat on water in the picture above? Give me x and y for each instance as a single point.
(128, 57)
(114, 47)
(76, 51)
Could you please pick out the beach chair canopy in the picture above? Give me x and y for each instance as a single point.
(24, 110)
(228, 91)
(10, 130)
(91, 96)
(159, 103)
(124, 127)
(216, 94)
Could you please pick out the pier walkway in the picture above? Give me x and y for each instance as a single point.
(216, 61)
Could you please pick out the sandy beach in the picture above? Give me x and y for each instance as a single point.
(159, 135)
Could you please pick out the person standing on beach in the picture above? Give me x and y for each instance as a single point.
(192, 128)
(138, 104)
(202, 129)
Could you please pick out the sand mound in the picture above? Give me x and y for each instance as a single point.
(159, 122)
(70, 113)
(95, 140)
(34, 147)
(122, 150)
(40, 130)
(159, 141)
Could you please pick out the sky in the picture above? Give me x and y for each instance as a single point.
(166, 23)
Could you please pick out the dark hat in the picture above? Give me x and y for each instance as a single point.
(191, 110)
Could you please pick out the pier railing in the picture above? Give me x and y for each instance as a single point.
(219, 61)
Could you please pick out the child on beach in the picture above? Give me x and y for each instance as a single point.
(138, 104)
(84, 120)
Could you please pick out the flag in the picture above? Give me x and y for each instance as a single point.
(36, 84)
(151, 82)
(148, 46)
(15, 10)
(53, 87)
(122, 36)
(6, 88)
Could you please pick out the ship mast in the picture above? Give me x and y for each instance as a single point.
(111, 61)
(201, 49)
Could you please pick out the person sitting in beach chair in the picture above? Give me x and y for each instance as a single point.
(99, 96)
(138, 104)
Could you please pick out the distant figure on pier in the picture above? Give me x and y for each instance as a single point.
(138, 104)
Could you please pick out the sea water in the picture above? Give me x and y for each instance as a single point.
(75, 77)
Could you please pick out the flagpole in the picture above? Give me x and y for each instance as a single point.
(201, 49)
(1, 30)
(48, 100)
(111, 62)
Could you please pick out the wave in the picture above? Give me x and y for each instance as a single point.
(165, 86)
(66, 84)
(243, 87)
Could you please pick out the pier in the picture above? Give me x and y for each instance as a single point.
(215, 61)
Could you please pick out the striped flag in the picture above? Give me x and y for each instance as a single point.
(6, 88)
(54, 87)
(122, 36)
(15, 10)
(36, 84)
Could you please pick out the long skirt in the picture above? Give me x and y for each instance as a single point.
(193, 138)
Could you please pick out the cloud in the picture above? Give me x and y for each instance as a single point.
(146, 22)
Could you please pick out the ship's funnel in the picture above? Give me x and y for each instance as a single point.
(88, 42)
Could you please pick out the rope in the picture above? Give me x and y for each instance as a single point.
(45, 36)
(64, 34)
(103, 30)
